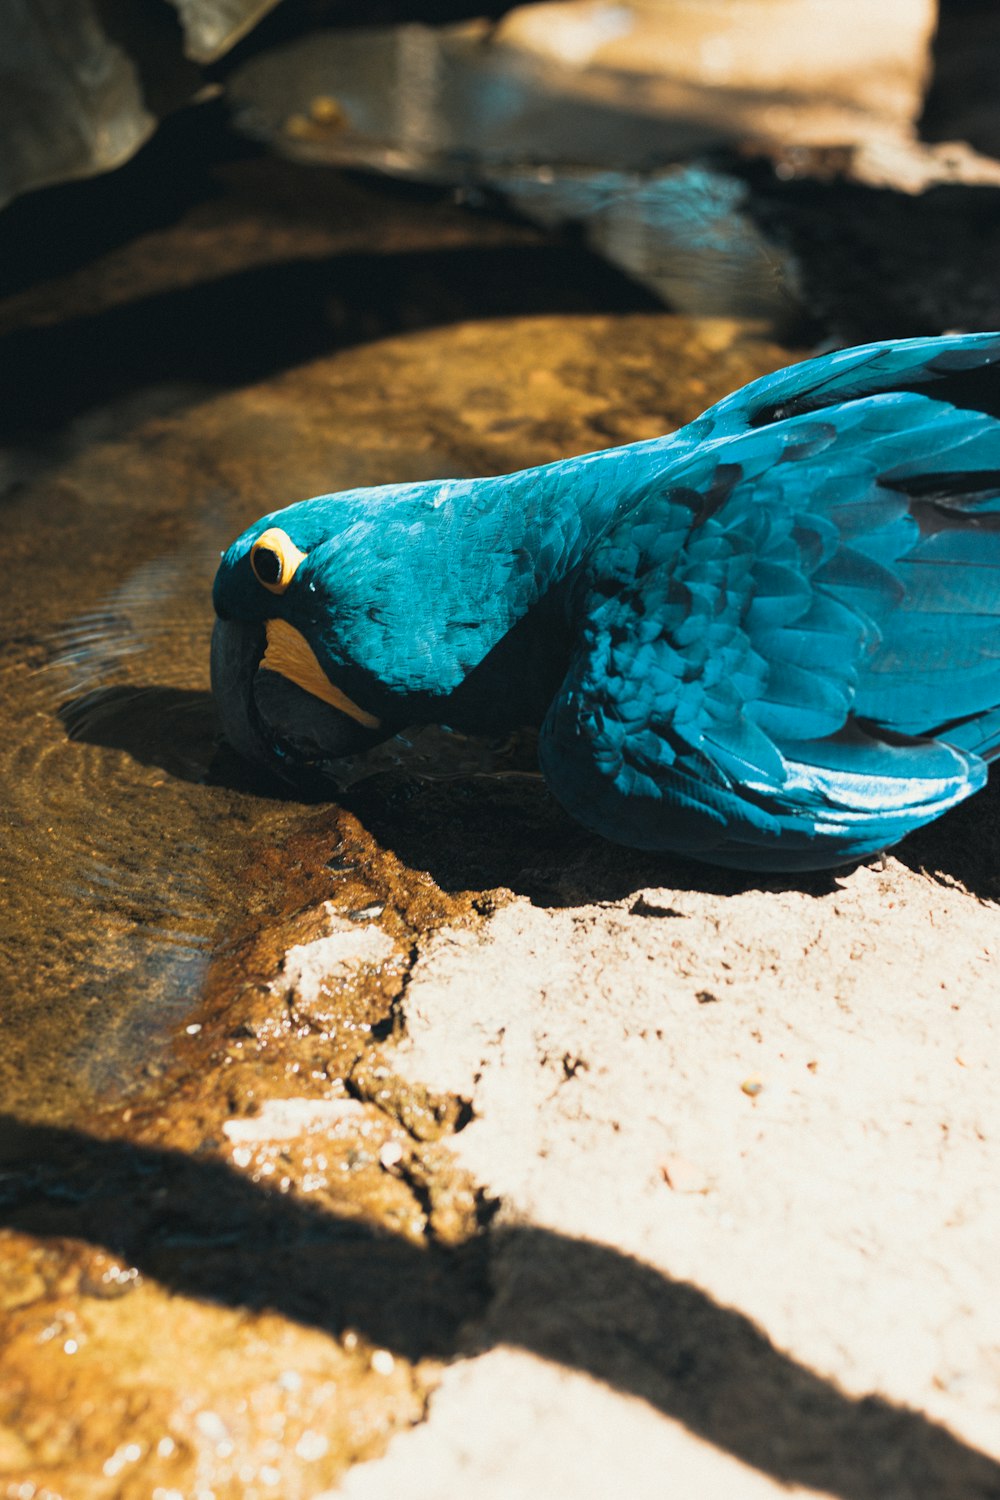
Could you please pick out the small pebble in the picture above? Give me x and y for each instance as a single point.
(751, 1087)
(382, 1362)
(212, 1427)
(326, 111)
(684, 1176)
(390, 1155)
(126, 1453)
(108, 1281)
(311, 1446)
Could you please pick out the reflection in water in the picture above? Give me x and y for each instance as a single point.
(685, 233)
(444, 102)
(633, 161)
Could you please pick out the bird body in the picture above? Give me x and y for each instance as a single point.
(768, 640)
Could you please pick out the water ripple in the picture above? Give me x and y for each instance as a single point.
(117, 862)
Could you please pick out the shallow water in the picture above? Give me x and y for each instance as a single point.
(184, 381)
(130, 829)
(118, 855)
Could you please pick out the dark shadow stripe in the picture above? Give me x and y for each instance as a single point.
(205, 1231)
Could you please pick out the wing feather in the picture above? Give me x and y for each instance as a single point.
(773, 686)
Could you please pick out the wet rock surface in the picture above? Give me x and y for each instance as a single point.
(235, 1245)
(584, 85)
(303, 1101)
(245, 1280)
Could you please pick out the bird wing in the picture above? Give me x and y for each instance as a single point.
(957, 365)
(789, 650)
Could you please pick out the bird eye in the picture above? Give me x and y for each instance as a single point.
(267, 565)
(275, 558)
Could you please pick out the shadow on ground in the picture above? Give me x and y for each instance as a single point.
(205, 1231)
(478, 832)
(240, 328)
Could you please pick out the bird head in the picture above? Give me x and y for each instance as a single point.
(296, 645)
(348, 617)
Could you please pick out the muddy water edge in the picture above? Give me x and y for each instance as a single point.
(234, 1250)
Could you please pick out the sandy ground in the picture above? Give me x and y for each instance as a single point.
(699, 1108)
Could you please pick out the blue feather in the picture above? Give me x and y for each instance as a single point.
(771, 639)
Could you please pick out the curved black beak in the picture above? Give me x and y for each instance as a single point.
(269, 719)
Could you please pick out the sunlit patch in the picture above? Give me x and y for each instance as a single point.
(275, 559)
(289, 653)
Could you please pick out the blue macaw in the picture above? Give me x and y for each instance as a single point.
(769, 640)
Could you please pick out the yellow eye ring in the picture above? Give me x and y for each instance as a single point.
(275, 559)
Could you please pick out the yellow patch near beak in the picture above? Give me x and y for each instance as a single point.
(289, 653)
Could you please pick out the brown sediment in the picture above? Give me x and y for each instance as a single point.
(254, 1036)
(247, 1176)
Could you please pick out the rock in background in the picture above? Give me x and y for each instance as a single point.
(575, 83)
(82, 83)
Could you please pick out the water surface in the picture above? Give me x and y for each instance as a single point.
(161, 398)
(121, 851)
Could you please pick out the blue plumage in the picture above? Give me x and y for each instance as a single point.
(769, 640)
